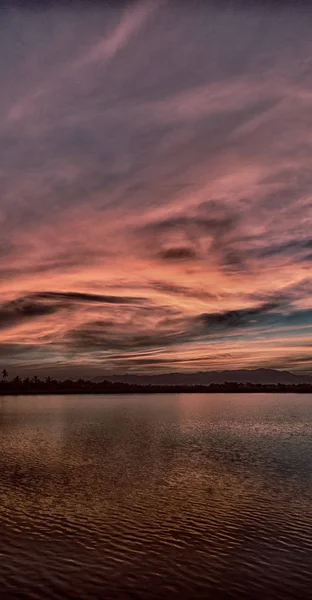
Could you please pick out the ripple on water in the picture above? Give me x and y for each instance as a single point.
(156, 497)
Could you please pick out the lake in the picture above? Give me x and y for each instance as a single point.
(162, 496)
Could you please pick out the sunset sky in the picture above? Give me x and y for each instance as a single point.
(156, 186)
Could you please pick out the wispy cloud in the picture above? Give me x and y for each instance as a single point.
(156, 186)
(131, 21)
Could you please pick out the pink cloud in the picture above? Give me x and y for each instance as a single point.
(161, 177)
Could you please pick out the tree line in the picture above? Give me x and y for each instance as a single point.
(49, 385)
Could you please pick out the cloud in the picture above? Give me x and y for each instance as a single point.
(87, 298)
(290, 247)
(173, 289)
(156, 185)
(132, 328)
(182, 253)
(103, 51)
(210, 233)
(22, 309)
(245, 317)
(42, 304)
(98, 335)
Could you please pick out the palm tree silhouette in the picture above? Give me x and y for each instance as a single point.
(5, 374)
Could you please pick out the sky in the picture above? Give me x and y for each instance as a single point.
(155, 186)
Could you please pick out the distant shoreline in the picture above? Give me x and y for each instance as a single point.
(109, 388)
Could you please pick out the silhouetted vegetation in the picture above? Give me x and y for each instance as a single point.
(35, 385)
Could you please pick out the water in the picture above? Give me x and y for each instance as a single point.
(193, 496)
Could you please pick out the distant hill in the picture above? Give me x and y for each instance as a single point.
(259, 376)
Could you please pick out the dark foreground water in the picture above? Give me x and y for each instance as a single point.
(187, 496)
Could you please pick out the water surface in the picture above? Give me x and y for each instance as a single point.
(162, 496)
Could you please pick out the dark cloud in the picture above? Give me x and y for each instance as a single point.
(243, 317)
(307, 359)
(132, 329)
(170, 288)
(290, 247)
(41, 304)
(88, 298)
(12, 350)
(211, 234)
(174, 289)
(22, 309)
(104, 336)
(210, 217)
(268, 316)
(179, 254)
(134, 334)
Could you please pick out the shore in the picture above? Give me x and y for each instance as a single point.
(13, 388)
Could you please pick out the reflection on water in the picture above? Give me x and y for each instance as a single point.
(156, 496)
